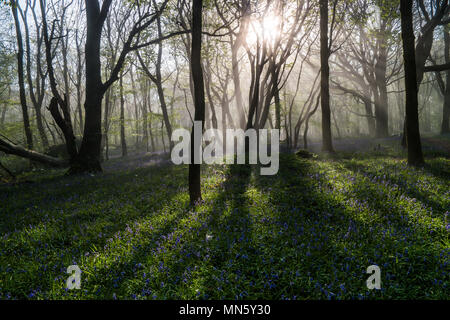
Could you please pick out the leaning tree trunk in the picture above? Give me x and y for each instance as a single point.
(327, 144)
(11, 148)
(197, 77)
(415, 156)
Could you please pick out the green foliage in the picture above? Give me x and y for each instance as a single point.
(309, 232)
(305, 154)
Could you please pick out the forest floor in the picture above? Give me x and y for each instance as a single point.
(309, 232)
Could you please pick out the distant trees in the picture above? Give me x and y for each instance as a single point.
(265, 64)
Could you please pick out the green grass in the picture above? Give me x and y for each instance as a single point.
(309, 232)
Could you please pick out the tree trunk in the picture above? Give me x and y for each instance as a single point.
(88, 158)
(327, 144)
(445, 127)
(123, 141)
(415, 156)
(197, 77)
(136, 111)
(381, 113)
(277, 109)
(3, 115)
(36, 101)
(370, 119)
(237, 84)
(10, 148)
(105, 140)
(20, 71)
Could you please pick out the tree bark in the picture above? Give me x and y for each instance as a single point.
(445, 126)
(382, 112)
(415, 156)
(327, 144)
(37, 98)
(88, 158)
(63, 121)
(10, 148)
(20, 71)
(197, 77)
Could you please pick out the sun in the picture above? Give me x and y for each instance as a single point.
(266, 29)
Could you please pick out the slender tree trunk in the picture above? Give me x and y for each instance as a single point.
(123, 141)
(370, 119)
(277, 109)
(237, 84)
(197, 77)
(327, 144)
(415, 156)
(147, 123)
(162, 135)
(3, 115)
(445, 127)
(20, 71)
(136, 110)
(382, 112)
(41, 128)
(78, 85)
(36, 101)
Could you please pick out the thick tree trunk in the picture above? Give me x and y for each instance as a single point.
(327, 143)
(415, 156)
(197, 77)
(89, 156)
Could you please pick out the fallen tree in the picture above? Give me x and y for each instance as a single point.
(10, 148)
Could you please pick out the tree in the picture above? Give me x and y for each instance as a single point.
(199, 96)
(415, 156)
(123, 140)
(88, 158)
(327, 143)
(58, 102)
(21, 78)
(444, 86)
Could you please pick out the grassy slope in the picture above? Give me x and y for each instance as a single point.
(308, 233)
